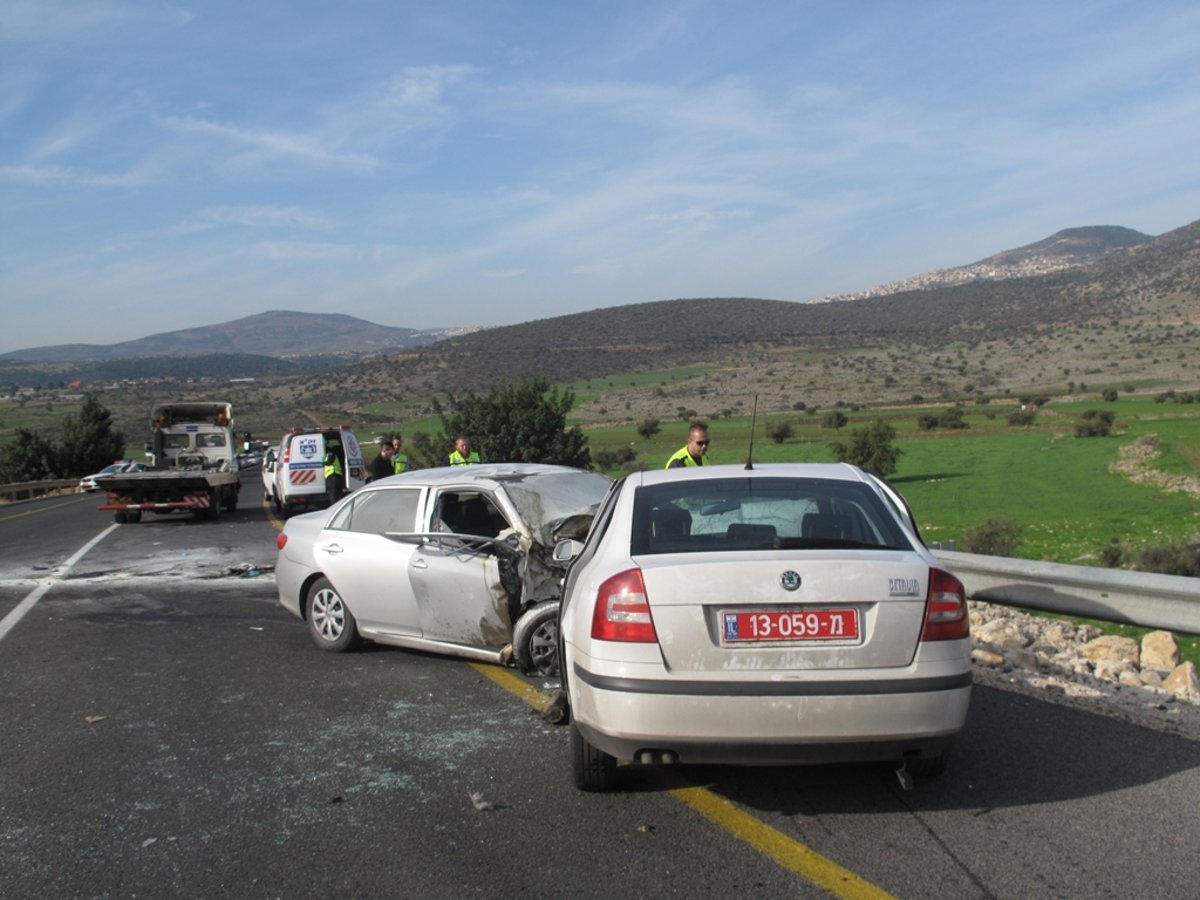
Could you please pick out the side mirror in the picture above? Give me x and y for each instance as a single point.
(567, 550)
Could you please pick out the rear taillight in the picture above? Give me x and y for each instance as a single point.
(622, 612)
(945, 608)
(280, 541)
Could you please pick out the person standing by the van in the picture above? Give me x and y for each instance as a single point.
(381, 466)
(335, 473)
(399, 457)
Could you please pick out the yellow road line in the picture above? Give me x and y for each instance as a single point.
(789, 853)
(42, 509)
(770, 842)
(539, 700)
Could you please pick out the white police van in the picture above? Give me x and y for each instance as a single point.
(298, 480)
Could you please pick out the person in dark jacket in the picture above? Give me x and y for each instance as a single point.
(381, 466)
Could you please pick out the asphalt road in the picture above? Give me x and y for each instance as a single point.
(168, 731)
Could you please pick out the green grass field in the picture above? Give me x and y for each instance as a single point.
(1058, 487)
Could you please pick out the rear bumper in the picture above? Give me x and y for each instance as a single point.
(771, 721)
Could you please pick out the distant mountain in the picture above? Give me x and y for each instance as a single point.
(1066, 249)
(279, 334)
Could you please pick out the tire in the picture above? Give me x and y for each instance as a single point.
(535, 640)
(594, 770)
(119, 517)
(330, 622)
(133, 517)
(231, 500)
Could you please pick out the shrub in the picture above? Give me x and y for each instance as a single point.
(649, 428)
(605, 460)
(1022, 417)
(1095, 423)
(993, 537)
(870, 448)
(835, 419)
(780, 432)
(947, 418)
(1182, 558)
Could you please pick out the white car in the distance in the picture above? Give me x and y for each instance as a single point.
(94, 482)
(785, 614)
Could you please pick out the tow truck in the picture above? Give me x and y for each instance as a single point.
(194, 466)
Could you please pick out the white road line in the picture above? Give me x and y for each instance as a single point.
(9, 622)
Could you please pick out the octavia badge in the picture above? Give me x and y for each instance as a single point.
(790, 580)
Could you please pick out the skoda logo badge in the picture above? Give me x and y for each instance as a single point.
(790, 580)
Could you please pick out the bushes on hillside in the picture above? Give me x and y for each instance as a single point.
(870, 448)
(1179, 558)
(780, 432)
(947, 418)
(1095, 423)
(993, 537)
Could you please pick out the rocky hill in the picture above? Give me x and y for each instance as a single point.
(1065, 249)
(1154, 281)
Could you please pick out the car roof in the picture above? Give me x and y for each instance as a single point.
(828, 471)
(484, 475)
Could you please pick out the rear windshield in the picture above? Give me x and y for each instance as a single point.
(730, 514)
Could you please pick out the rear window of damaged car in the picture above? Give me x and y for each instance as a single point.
(760, 513)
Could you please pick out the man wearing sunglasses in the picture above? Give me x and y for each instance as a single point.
(692, 454)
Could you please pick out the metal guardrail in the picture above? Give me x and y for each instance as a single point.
(1112, 595)
(27, 490)
(1148, 599)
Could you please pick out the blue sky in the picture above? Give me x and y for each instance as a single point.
(165, 165)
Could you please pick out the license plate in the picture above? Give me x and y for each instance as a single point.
(790, 625)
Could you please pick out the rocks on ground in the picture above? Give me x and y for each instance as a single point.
(1081, 666)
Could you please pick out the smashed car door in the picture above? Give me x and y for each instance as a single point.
(456, 573)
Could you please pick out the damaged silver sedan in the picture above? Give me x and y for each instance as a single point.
(452, 560)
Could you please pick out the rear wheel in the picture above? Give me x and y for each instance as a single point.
(330, 622)
(593, 769)
(535, 640)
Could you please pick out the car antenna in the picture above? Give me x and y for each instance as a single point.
(750, 450)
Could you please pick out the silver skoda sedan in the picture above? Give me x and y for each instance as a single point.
(784, 614)
(451, 560)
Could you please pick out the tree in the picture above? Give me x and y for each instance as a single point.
(870, 448)
(834, 419)
(649, 428)
(525, 422)
(1095, 423)
(780, 432)
(88, 441)
(27, 457)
